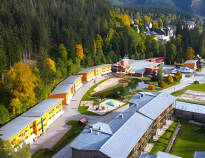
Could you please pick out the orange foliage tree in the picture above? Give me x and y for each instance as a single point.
(170, 79)
(21, 83)
(162, 84)
(151, 87)
(79, 51)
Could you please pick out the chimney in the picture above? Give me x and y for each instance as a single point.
(91, 130)
(121, 116)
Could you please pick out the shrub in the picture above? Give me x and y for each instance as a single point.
(151, 87)
(178, 76)
(170, 79)
(196, 82)
(162, 84)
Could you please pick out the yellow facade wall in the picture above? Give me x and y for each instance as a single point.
(35, 127)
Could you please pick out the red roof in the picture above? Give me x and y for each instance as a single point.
(83, 120)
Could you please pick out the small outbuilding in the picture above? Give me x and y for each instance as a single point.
(192, 64)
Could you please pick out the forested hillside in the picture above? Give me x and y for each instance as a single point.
(44, 41)
(191, 6)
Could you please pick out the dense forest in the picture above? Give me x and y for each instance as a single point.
(42, 42)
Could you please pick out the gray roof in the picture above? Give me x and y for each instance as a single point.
(41, 108)
(198, 154)
(183, 70)
(62, 88)
(15, 126)
(152, 104)
(70, 80)
(196, 108)
(139, 66)
(117, 138)
(190, 61)
(92, 68)
(159, 155)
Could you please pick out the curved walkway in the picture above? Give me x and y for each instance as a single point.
(59, 127)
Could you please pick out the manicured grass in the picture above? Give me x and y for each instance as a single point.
(189, 140)
(75, 130)
(162, 143)
(84, 110)
(43, 153)
(194, 87)
(165, 87)
(87, 95)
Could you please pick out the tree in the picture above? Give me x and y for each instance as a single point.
(171, 52)
(170, 79)
(50, 64)
(63, 53)
(126, 20)
(160, 74)
(21, 82)
(151, 87)
(162, 84)
(190, 53)
(4, 115)
(6, 150)
(79, 51)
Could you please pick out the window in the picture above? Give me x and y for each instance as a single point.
(31, 127)
(13, 141)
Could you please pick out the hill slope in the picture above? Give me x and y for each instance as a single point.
(192, 6)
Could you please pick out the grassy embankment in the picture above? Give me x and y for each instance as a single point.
(190, 139)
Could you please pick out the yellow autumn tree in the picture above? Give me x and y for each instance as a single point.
(109, 36)
(21, 83)
(147, 19)
(94, 47)
(79, 51)
(190, 53)
(51, 64)
(126, 19)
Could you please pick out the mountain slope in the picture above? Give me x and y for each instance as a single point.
(191, 6)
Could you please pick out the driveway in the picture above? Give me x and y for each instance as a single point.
(59, 127)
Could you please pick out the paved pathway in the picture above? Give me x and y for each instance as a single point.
(59, 127)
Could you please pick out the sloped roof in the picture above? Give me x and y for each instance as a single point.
(190, 61)
(15, 126)
(196, 108)
(152, 104)
(41, 108)
(70, 80)
(92, 68)
(117, 138)
(62, 88)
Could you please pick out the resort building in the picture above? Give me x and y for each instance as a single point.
(192, 64)
(190, 111)
(87, 74)
(63, 91)
(76, 81)
(140, 67)
(129, 132)
(137, 68)
(32, 123)
(102, 69)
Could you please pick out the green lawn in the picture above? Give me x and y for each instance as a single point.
(75, 130)
(87, 95)
(84, 110)
(194, 87)
(189, 140)
(164, 140)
